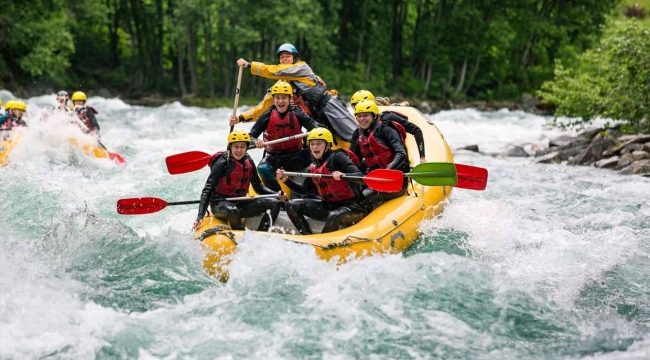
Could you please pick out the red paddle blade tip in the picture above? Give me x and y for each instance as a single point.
(186, 162)
(136, 206)
(385, 180)
(117, 158)
(471, 177)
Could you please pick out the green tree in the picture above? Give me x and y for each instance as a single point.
(610, 81)
(34, 40)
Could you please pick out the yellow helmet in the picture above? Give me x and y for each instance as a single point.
(9, 105)
(78, 95)
(239, 135)
(0, 102)
(281, 87)
(360, 96)
(19, 105)
(320, 134)
(366, 106)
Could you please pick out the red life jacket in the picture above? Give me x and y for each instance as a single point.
(83, 116)
(280, 128)
(7, 124)
(376, 154)
(329, 189)
(237, 180)
(351, 155)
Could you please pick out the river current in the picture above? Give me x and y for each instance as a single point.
(549, 262)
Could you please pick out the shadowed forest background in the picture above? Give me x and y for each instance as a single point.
(430, 49)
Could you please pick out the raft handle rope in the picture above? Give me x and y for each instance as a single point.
(353, 239)
(218, 230)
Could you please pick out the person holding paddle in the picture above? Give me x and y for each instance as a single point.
(280, 121)
(324, 107)
(232, 172)
(340, 201)
(393, 118)
(380, 147)
(85, 113)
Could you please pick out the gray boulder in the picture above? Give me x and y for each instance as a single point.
(561, 140)
(637, 167)
(607, 163)
(631, 148)
(628, 159)
(590, 133)
(512, 151)
(633, 139)
(594, 151)
(473, 148)
(424, 107)
(646, 147)
(550, 158)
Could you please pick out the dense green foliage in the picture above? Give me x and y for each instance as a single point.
(609, 81)
(441, 49)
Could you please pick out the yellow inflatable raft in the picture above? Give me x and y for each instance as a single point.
(391, 228)
(6, 146)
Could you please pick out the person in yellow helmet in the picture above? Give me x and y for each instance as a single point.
(85, 113)
(324, 107)
(12, 118)
(380, 146)
(340, 200)
(231, 174)
(282, 120)
(394, 119)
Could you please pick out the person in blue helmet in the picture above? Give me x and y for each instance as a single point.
(323, 106)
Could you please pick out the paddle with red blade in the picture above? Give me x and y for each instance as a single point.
(117, 158)
(383, 180)
(471, 177)
(148, 205)
(449, 174)
(195, 160)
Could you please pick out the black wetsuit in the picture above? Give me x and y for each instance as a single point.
(390, 138)
(235, 211)
(334, 213)
(410, 128)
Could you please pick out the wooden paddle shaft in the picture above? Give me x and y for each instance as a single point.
(237, 91)
(252, 146)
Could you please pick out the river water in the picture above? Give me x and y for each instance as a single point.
(549, 262)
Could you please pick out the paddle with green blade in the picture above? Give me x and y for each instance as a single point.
(148, 205)
(450, 174)
(195, 160)
(382, 180)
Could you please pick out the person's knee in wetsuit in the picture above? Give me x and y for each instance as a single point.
(339, 199)
(232, 174)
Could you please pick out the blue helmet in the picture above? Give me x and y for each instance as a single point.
(290, 48)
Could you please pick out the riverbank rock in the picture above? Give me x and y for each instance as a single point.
(512, 151)
(637, 167)
(473, 148)
(602, 148)
(594, 151)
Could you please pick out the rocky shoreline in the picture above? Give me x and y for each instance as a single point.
(598, 147)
